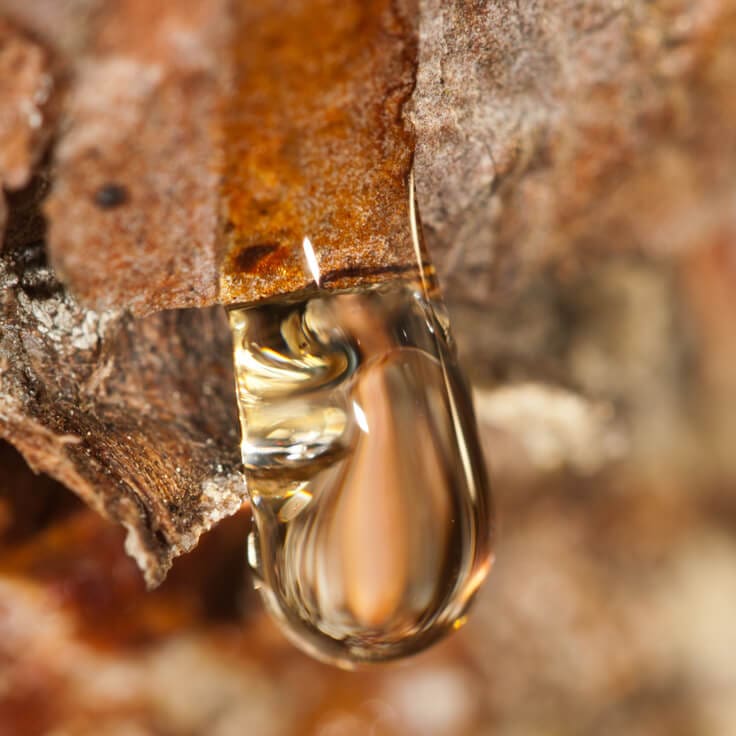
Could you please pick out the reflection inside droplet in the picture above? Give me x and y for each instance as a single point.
(371, 509)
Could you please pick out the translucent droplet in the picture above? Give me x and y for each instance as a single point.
(370, 501)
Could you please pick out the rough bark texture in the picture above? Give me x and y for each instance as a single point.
(317, 147)
(133, 217)
(574, 163)
(25, 89)
(140, 419)
(137, 416)
(555, 136)
(290, 114)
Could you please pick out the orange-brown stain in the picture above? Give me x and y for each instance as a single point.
(315, 145)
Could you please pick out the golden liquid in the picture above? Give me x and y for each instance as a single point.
(372, 517)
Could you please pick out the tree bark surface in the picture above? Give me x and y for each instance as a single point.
(574, 167)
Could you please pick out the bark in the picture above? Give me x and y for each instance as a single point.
(328, 81)
(133, 216)
(558, 139)
(574, 164)
(137, 416)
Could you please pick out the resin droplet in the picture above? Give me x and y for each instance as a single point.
(370, 501)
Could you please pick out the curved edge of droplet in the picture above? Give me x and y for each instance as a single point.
(315, 643)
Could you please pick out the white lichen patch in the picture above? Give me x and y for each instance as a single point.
(61, 320)
(222, 496)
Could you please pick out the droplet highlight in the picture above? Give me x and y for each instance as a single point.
(371, 509)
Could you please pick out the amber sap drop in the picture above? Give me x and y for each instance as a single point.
(370, 501)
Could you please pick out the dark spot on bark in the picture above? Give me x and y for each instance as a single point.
(251, 255)
(40, 284)
(32, 255)
(111, 195)
(161, 539)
